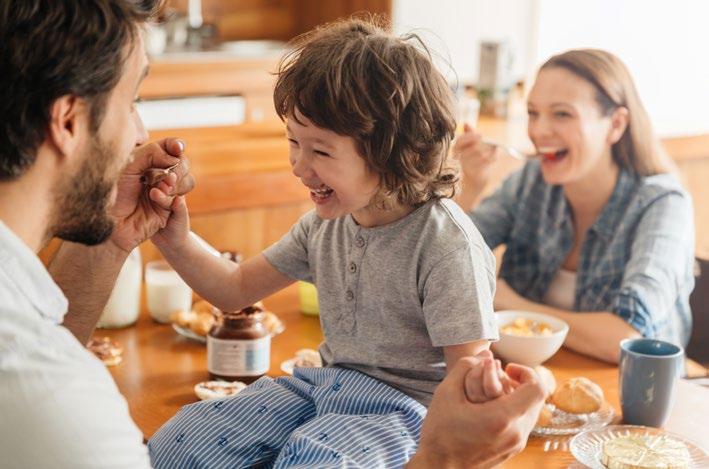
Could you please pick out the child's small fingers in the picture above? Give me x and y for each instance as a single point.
(491, 381)
(473, 385)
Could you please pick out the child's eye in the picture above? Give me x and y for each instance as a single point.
(562, 114)
(531, 113)
(321, 153)
(292, 142)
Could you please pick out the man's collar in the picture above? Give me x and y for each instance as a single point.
(30, 277)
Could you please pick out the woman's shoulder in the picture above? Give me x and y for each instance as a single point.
(659, 186)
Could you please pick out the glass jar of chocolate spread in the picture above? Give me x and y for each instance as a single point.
(239, 347)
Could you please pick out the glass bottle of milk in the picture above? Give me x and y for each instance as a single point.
(123, 305)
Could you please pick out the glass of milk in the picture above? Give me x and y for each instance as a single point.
(166, 292)
(123, 306)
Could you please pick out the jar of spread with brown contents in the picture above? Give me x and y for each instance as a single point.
(239, 347)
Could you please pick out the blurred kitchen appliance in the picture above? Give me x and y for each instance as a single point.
(495, 77)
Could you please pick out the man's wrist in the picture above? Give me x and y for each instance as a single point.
(425, 458)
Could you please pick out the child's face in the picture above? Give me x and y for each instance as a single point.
(328, 164)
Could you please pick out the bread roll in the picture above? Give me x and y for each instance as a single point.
(578, 396)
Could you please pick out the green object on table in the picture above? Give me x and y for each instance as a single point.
(308, 298)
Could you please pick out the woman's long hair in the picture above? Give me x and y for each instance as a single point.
(639, 149)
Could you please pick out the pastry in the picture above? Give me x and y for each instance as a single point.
(547, 379)
(307, 358)
(109, 352)
(181, 318)
(272, 323)
(578, 396)
(645, 452)
(202, 323)
(202, 307)
(545, 416)
(217, 389)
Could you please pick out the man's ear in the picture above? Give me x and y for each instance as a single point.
(619, 122)
(68, 124)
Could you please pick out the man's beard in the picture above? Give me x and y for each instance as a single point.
(81, 212)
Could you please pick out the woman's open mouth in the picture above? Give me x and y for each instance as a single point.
(552, 154)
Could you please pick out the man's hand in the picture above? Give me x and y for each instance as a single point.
(460, 434)
(140, 211)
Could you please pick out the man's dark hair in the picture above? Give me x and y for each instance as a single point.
(51, 48)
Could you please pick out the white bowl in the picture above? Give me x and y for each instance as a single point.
(529, 351)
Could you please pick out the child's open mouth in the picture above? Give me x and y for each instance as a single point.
(552, 154)
(321, 195)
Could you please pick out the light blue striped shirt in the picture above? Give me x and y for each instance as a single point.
(636, 259)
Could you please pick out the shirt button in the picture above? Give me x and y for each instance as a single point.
(359, 242)
(349, 295)
(353, 267)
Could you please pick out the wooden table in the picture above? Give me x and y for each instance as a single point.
(160, 368)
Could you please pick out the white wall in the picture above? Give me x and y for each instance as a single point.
(665, 43)
(454, 28)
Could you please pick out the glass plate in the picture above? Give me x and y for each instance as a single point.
(189, 333)
(288, 365)
(563, 423)
(587, 446)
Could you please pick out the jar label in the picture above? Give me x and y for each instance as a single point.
(238, 357)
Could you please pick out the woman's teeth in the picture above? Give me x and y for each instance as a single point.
(552, 154)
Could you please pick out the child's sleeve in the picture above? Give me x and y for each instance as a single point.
(457, 297)
(289, 255)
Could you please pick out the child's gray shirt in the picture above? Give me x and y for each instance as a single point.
(392, 296)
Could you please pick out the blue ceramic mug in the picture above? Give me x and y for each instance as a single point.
(648, 371)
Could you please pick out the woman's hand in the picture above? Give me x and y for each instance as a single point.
(476, 158)
(476, 162)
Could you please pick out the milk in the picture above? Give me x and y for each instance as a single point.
(166, 292)
(123, 306)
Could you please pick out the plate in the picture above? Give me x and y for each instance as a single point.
(288, 365)
(587, 446)
(189, 333)
(564, 423)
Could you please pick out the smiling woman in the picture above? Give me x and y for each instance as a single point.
(601, 235)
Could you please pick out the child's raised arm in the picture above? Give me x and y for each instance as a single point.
(226, 285)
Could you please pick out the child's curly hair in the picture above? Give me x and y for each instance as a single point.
(356, 79)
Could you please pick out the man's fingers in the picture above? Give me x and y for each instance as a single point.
(173, 146)
(528, 397)
(521, 373)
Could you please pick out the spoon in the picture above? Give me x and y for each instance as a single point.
(153, 176)
(515, 153)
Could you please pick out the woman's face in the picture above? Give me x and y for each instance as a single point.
(565, 119)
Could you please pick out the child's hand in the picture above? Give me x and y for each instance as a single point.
(177, 229)
(487, 381)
